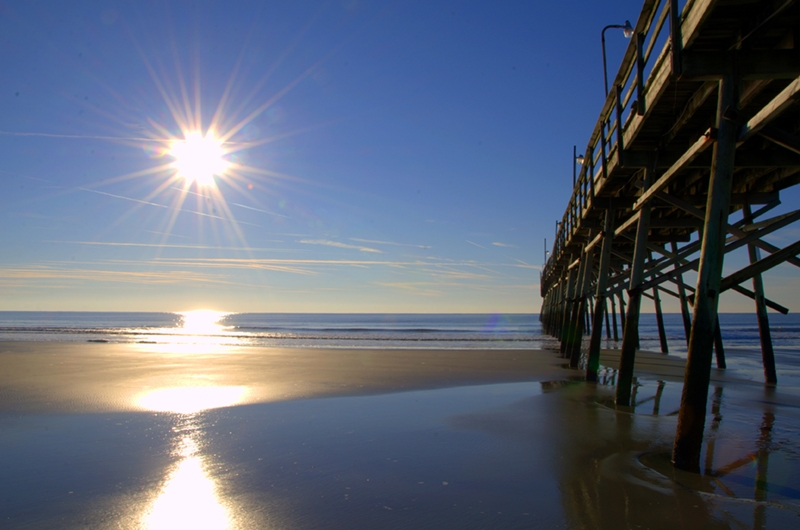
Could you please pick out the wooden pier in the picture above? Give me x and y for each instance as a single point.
(697, 138)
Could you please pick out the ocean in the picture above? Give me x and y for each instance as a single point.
(303, 330)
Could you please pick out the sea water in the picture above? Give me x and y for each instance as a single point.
(301, 330)
(368, 330)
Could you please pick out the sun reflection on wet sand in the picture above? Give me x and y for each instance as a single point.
(188, 498)
(192, 399)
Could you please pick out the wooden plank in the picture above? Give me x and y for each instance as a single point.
(750, 294)
(751, 64)
(694, 14)
(698, 147)
(676, 41)
(764, 264)
(695, 102)
(780, 137)
(656, 86)
(627, 224)
(595, 241)
(771, 110)
(640, 101)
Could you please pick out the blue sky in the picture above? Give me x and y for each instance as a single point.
(392, 156)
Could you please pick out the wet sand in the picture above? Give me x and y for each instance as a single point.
(127, 436)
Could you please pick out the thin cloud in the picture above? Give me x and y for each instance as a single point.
(166, 234)
(473, 243)
(376, 242)
(84, 136)
(233, 203)
(172, 245)
(166, 207)
(138, 277)
(506, 245)
(337, 244)
(418, 288)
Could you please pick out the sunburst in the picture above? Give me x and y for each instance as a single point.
(198, 158)
(203, 160)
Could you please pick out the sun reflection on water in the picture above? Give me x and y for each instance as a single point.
(202, 322)
(197, 332)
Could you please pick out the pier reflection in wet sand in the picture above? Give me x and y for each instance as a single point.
(623, 477)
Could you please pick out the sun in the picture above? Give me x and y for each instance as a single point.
(198, 158)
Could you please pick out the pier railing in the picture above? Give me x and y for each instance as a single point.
(622, 114)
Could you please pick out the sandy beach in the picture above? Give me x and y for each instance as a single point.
(147, 436)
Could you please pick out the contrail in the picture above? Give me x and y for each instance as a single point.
(83, 137)
(114, 138)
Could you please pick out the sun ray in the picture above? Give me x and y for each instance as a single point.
(171, 105)
(264, 106)
(268, 74)
(215, 119)
(240, 146)
(178, 202)
(130, 176)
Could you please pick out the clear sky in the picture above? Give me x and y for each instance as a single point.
(388, 156)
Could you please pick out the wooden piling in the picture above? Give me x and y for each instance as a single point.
(567, 309)
(662, 334)
(719, 347)
(687, 319)
(574, 352)
(593, 356)
(614, 318)
(691, 417)
(767, 353)
(630, 333)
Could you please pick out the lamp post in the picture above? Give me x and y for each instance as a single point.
(627, 30)
(577, 160)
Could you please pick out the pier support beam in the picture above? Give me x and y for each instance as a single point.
(614, 318)
(662, 333)
(719, 348)
(767, 353)
(569, 295)
(593, 357)
(687, 319)
(574, 348)
(692, 414)
(630, 333)
(572, 316)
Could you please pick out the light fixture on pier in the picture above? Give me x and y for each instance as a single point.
(576, 159)
(627, 30)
